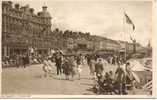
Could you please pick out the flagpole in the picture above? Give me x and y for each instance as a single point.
(121, 93)
(125, 52)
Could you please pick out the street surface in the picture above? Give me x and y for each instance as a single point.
(30, 80)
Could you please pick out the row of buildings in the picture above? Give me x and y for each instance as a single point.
(23, 31)
(103, 45)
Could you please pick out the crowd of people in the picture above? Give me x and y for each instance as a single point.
(106, 82)
(19, 60)
(69, 65)
(118, 82)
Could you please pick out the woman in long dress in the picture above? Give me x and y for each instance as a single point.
(46, 68)
(92, 68)
(66, 69)
(79, 70)
(71, 66)
(91, 64)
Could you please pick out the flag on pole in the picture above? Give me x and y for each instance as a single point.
(129, 21)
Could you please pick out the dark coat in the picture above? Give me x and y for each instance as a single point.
(99, 68)
(25, 60)
(58, 61)
(120, 75)
(66, 68)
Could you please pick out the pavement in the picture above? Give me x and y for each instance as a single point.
(31, 80)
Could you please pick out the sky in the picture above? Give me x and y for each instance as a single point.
(99, 17)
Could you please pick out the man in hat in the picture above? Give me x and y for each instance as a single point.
(58, 60)
(121, 76)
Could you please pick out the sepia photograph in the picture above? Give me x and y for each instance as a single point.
(77, 48)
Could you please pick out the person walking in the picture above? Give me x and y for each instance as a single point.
(18, 61)
(66, 69)
(24, 61)
(46, 68)
(130, 79)
(73, 67)
(91, 64)
(120, 80)
(27, 60)
(88, 57)
(58, 61)
(78, 59)
(99, 67)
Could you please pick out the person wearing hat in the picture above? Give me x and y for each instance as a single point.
(99, 67)
(120, 79)
(58, 60)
